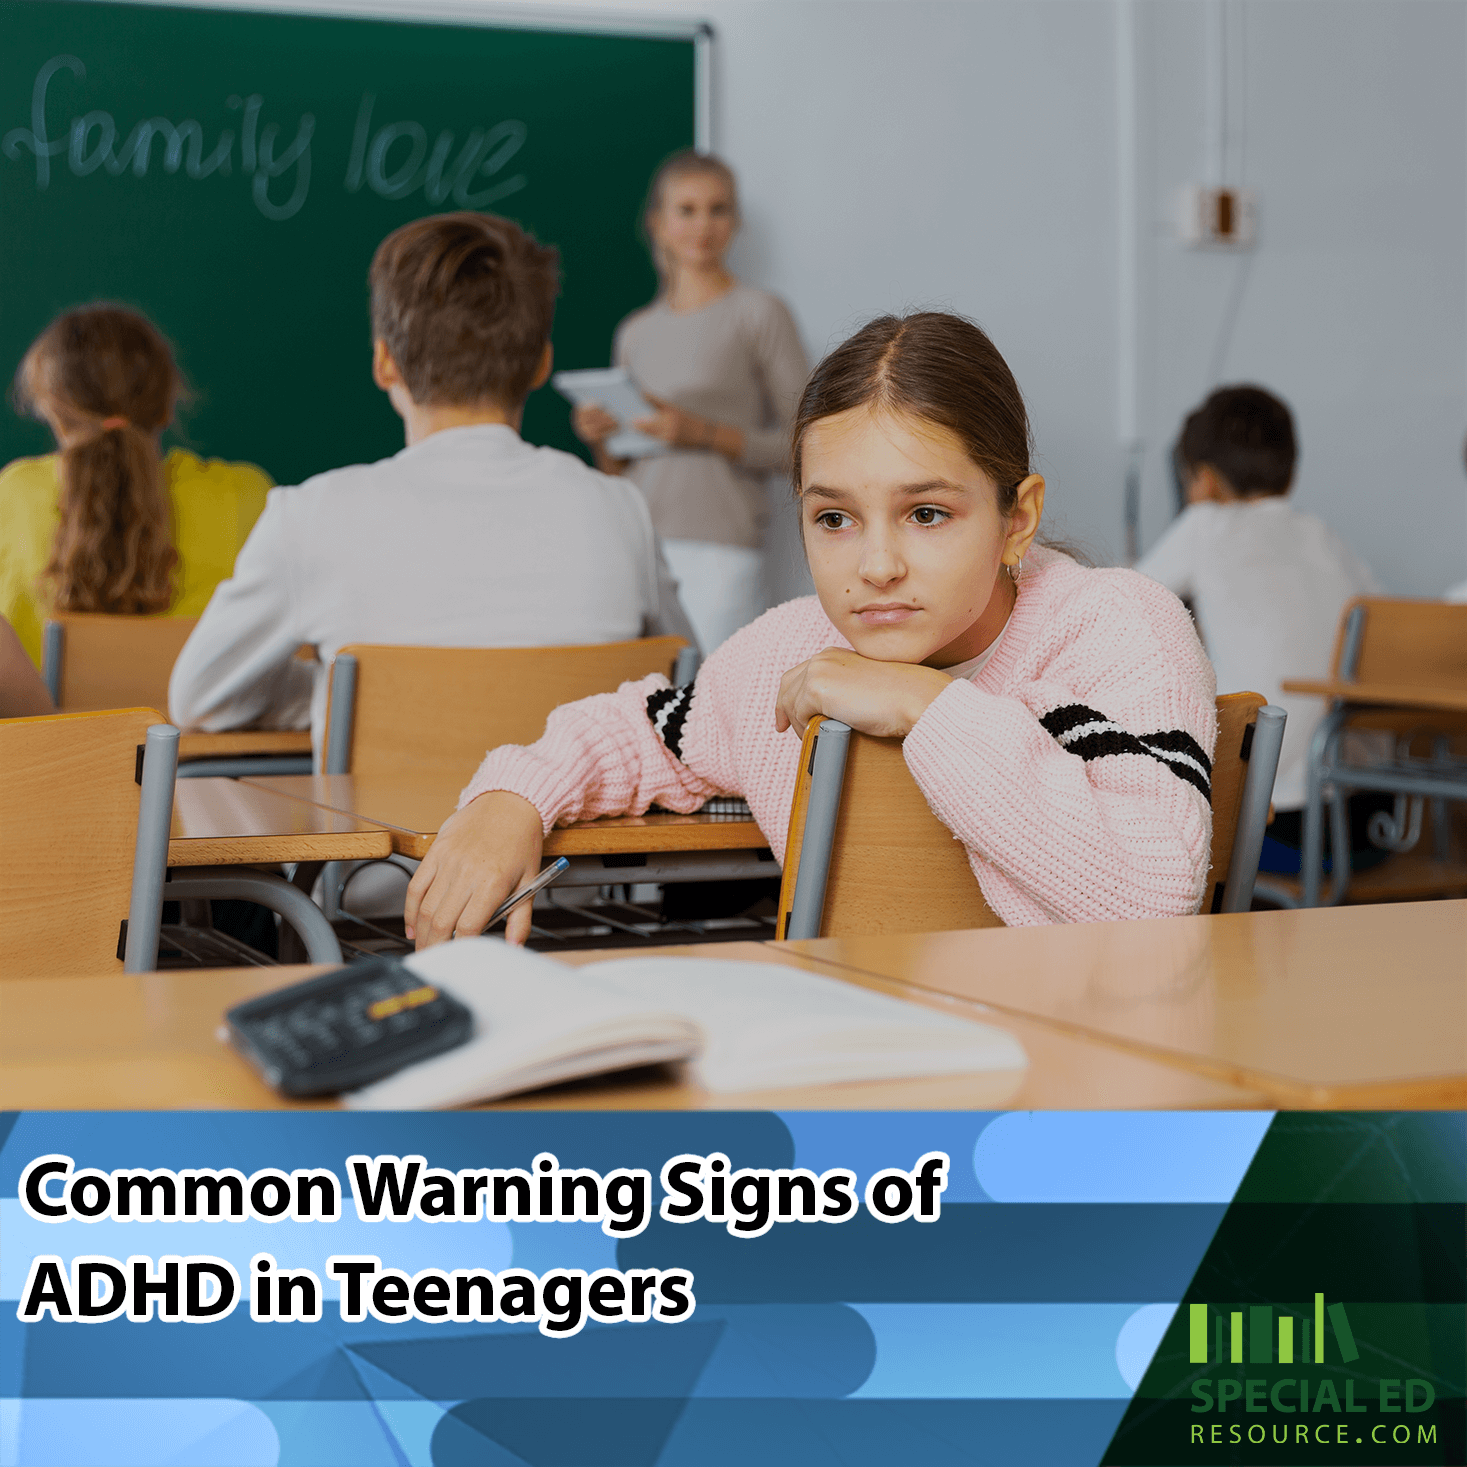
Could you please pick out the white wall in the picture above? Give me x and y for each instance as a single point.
(899, 152)
(1350, 121)
(955, 155)
(968, 153)
(899, 155)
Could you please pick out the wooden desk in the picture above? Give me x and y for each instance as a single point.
(413, 810)
(1329, 1007)
(242, 743)
(149, 1041)
(1382, 695)
(225, 822)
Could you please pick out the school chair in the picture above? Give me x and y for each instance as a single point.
(1408, 659)
(91, 661)
(433, 712)
(866, 854)
(87, 802)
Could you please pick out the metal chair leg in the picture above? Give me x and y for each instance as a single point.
(302, 915)
(53, 655)
(1263, 763)
(826, 778)
(336, 758)
(150, 854)
(1312, 855)
(1339, 822)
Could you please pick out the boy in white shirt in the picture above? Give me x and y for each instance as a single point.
(1267, 583)
(469, 537)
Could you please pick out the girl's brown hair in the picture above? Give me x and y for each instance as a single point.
(105, 379)
(935, 366)
(685, 162)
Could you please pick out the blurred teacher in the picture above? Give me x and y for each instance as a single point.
(722, 363)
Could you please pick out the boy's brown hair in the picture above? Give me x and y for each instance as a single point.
(1246, 434)
(465, 304)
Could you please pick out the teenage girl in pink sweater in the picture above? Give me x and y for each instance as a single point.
(1059, 720)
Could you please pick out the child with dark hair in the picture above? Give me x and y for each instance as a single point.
(1060, 720)
(1267, 582)
(470, 537)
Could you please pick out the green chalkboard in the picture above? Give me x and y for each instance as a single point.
(230, 173)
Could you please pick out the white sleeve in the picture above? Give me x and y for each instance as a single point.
(667, 618)
(1171, 560)
(239, 666)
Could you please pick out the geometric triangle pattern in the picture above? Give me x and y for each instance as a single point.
(1328, 1318)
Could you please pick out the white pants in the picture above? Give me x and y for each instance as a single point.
(721, 587)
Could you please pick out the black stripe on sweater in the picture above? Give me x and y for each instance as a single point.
(1089, 734)
(668, 710)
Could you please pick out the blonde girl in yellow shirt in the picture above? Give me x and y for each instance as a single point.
(105, 524)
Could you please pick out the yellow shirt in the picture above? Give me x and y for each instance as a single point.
(214, 506)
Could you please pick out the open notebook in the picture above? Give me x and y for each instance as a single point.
(742, 1026)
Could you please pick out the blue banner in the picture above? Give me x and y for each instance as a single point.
(323, 1288)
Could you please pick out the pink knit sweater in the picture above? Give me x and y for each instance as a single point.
(1075, 767)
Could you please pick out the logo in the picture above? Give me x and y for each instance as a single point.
(1261, 1338)
(1318, 1409)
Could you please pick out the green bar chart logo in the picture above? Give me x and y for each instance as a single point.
(1274, 1335)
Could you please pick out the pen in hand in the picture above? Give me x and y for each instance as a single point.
(554, 870)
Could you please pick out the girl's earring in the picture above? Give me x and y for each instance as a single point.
(1015, 571)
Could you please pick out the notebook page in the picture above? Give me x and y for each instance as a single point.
(769, 1026)
(536, 1022)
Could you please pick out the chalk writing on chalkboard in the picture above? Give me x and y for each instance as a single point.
(393, 161)
(395, 173)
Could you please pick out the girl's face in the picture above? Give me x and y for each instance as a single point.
(905, 539)
(696, 222)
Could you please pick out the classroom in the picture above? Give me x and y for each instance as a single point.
(840, 555)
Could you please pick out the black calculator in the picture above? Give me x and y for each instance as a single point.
(347, 1028)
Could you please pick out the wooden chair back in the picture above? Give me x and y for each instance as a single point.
(112, 661)
(436, 710)
(1402, 642)
(68, 826)
(1399, 642)
(895, 867)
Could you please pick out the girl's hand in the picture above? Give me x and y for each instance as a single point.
(593, 425)
(680, 429)
(484, 853)
(881, 698)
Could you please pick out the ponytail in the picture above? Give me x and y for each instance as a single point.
(105, 380)
(113, 550)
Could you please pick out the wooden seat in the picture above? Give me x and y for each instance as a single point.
(69, 801)
(436, 710)
(893, 866)
(1399, 668)
(91, 661)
